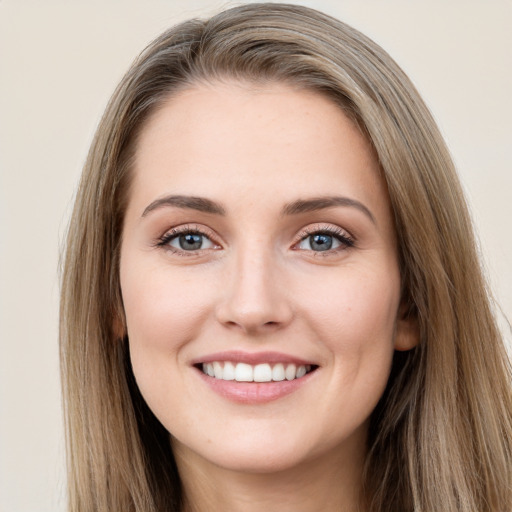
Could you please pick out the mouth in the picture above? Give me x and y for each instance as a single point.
(254, 378)
(262, 372)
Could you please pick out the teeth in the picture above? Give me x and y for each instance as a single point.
(278, 372)
(262, 373)
(301, 371)
(229, 371)
(217, 370)
(242, 372)
(209, 370)
(290, 371)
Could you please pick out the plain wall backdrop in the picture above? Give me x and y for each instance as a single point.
(59, 63)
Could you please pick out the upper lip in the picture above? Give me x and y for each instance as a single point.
(252, 358)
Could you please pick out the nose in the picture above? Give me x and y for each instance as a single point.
(255, 299)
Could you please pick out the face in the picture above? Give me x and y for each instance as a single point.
(259, 277)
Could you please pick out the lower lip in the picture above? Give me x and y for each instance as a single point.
(254, 392)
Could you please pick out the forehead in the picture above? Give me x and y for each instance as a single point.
(240, 142)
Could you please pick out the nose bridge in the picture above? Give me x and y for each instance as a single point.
(254, 297)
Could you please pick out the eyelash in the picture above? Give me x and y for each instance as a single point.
(164, 241)
(346, 241)
(339, 234)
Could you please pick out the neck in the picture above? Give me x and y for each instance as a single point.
(330, 483)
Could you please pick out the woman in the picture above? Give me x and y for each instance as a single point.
(271, 296)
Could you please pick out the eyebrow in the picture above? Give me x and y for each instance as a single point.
(321, 203)
(299, 206)
(187, 202)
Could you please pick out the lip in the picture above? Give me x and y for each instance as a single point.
(253, 392)
(238, 356)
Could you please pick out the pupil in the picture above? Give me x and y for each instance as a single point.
(191, 241)
(321, 242)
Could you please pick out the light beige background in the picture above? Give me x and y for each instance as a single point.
(59, 62)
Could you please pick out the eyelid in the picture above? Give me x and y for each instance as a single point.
(170, 234)
(341, 234)
(346, 238)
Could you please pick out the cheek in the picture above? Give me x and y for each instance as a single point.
(163, 308)
(164, 311)
(356, 320)
(356, 305)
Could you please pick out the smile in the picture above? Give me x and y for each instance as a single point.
(263, 372)
(254, 377)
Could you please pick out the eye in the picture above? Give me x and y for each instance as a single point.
(319, 242)
(325, 240)
(186, 240)
(191, 242)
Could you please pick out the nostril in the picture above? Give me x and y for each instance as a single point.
(253, 305)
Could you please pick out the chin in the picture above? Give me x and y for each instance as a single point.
(257, 461)
(258, 454)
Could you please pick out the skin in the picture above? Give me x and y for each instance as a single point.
(258, 285)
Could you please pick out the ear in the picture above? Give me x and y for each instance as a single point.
(407, 332)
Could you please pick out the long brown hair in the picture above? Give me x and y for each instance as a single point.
(441, 436)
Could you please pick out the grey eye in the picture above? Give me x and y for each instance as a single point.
(319, 242)
(191, 242)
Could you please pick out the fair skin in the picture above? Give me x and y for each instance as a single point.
(261, 273)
